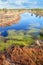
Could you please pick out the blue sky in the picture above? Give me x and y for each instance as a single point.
(21, 3)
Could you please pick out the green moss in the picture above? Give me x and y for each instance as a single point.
(21, 38)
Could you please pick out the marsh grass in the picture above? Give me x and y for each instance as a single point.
(20, 38)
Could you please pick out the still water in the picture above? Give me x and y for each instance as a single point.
(26, 22)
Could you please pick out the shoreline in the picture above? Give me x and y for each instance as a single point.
(12, 16)
(8, 23)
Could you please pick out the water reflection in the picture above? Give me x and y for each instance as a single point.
(4, 33)
(31, 14)
(27, 22)
(36, 15)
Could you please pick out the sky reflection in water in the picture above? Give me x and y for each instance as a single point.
(25, 23)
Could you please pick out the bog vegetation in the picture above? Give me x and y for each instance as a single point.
(21, 38)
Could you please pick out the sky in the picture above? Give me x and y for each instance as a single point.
(21, 4)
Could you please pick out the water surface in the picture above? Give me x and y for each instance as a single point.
(27, 22)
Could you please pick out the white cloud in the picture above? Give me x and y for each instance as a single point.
(32, 2)
(18, 4)
(9, 3)
(3, 3)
